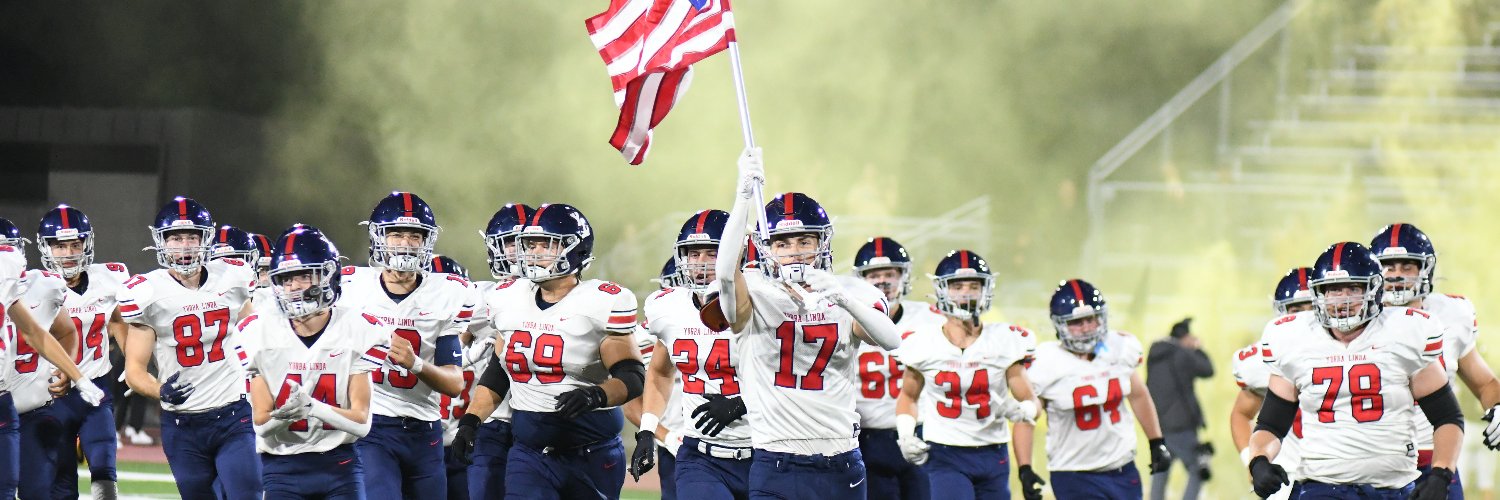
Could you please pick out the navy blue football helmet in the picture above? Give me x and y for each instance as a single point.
(179, 220)
(669, 276)
(963, 265)
(500, 238)
(263, 258)
(558, 241)
(234, 243)
(402, 210)
(1346, 263)
(446, 264)
(792, 214)
(60, 226)
(1398, 242)
(1076, 300)
(884, 253)
(701, 231)
(304, 251)
(10, 235)
(1293, 291)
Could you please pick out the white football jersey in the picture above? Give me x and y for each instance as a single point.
(1460, 334)
(1089, 424)
(964, 387)
(193, 328)
(91, 312)
(481, 329)
(880, 372)
(353, 343)
(1357, 397)
(1252, 374)
(12, 269)
(704, 359)
(552, 351)
(30, 373)
(797, 368)
(440, 306)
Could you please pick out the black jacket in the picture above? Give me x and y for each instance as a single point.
(1170, 370)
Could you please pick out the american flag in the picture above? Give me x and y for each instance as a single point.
(649, 47)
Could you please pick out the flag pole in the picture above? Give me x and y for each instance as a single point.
(749, 135)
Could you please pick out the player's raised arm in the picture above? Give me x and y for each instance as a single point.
(871, 323)
(734, 297)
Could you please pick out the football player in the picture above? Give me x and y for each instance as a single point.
(487, 437)
(452, 409)
(570, 359)
(17, 324)
(950, 368)
(181, 314)
(1292, 296)
(697, 368)
(319, 357)
(65, 239)
(403, 452)
(797, 327)
(1083, 379)
(885, 264)
(1408, 261)
(1354, 368)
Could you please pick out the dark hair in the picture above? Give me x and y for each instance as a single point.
(1181, 328)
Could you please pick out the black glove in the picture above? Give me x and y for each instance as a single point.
(1205, 460)
(1161, 459)
(174, 393)
(1434, 486)
(463, 439)
(573, 403)
(718, 413)
(1267, 477)
(644, 457)
(1031, 484)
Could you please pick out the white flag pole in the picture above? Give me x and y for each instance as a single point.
(739, 88)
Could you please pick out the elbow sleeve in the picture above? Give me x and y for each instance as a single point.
(1441, 408)
(1276, 415)
(633, 373)
(495, 377)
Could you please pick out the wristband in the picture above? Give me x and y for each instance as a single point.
(649, 421)
(417, 364)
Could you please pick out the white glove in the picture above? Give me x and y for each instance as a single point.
(1018, 411)
(90, 393)
(1492, 432)
(478, 351)
(825, 285)
(297, 406)
(752, 173)
(912, 447)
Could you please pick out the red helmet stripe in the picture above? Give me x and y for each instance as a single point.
(1338, 256)
(224, 234)
(963, 259)
(1301, 278)
(520, 214)
(1395, 234)
(291, 239)
(64, 213)
(437, 264)
(406, 203)
(702, 218)
(786, 206)
(880, 247)
(182, 209)
(1077, 290)
(264, 241)
(537, 217)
